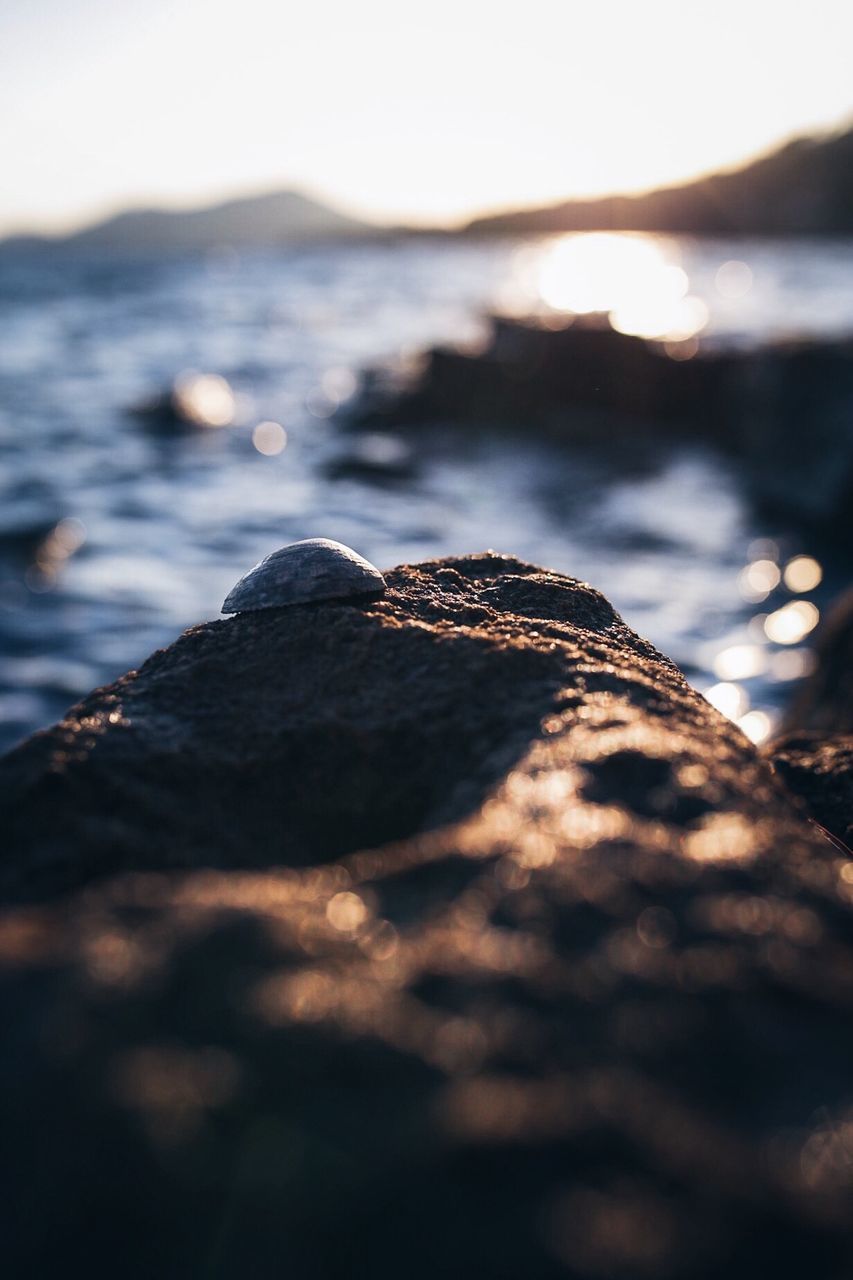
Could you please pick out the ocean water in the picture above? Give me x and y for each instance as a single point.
(114, 538)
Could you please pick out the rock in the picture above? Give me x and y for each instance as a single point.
(820, 771)
(586, 385)
(814, 753)
(823, 703)
(194, 401)
(375, 456)
(451, 934)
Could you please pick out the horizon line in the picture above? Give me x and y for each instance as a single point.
(226, 196)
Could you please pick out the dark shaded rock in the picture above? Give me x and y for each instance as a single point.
(375, 456)
(587, 385)
(823, 703)
(22, 542)
(195, 401)
(449, 935)
(820, 771)
(814, 754)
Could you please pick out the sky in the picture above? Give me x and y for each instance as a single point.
(398, 110)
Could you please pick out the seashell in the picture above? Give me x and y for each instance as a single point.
(315, 569)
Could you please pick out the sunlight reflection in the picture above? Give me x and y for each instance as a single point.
(756, 725)
(729, 699)
(792, 664)
(803, 573)
(339, 385)
(722, 837)
(346, 912)
(792, 622)
(674, 319)
(269, 438)
(758, 579)
(204, 398)
(627, 276)
(681, 348)
(740, 662)
(733, 279)
(63, 540)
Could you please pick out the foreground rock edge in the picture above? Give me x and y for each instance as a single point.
(556, 1026)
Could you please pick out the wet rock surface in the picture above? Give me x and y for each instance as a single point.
(448, 934)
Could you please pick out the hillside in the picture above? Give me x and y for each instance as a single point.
(803, 188)
(279, 218)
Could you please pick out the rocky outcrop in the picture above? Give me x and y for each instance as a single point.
(586, 385)
(802, 188)
(451, 934)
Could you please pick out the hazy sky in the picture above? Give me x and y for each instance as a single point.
(398, 110)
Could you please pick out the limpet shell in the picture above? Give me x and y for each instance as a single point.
(314, 569)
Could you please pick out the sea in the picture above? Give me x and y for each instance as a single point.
(114, 536)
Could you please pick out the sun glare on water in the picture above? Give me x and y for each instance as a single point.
(631, 278)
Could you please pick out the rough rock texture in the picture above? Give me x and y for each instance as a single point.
(820, 771)
(814, 755)
(449, 935)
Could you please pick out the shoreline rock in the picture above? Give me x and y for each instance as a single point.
(780, 414)
(448, 934)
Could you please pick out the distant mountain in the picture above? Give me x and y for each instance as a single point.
(280, 218)
(804, 188)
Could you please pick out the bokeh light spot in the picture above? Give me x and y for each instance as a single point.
(792, 622)
(346, 912)
(758, 579)
(630, 277)
(740, 662)
(269, 438)
(729, 699)
(803, 573)
(204, 398)
(733, 279)
(756, 725)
